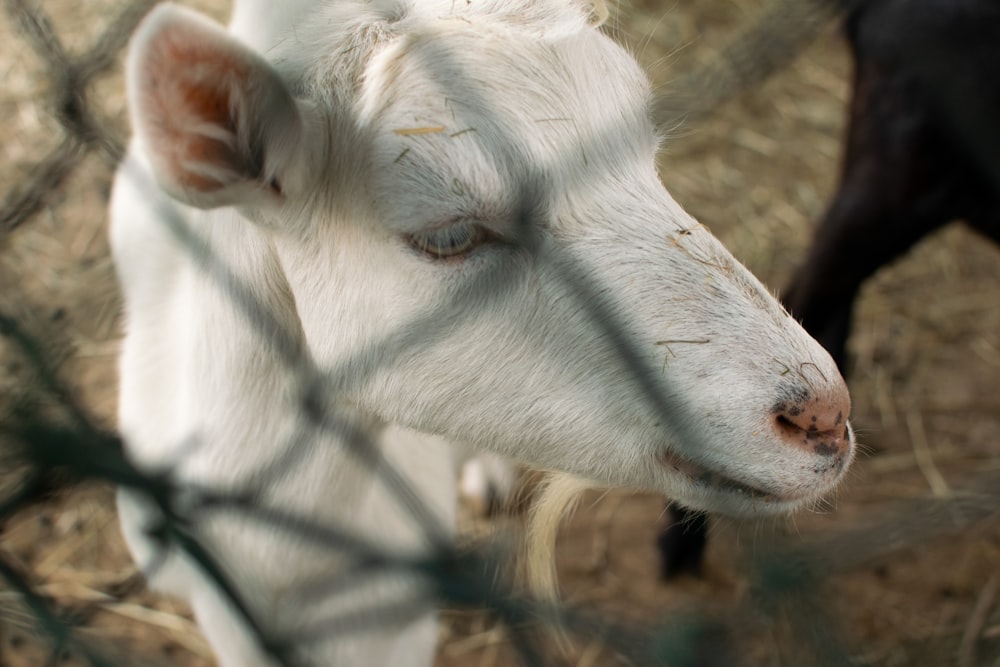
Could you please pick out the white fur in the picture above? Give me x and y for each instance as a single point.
(487, 482)
(341, 130)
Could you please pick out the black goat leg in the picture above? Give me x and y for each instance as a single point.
(897, 186)
(682, 542)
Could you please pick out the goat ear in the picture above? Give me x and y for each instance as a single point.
(218, 123)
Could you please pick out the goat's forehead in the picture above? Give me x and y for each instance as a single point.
(456, 91)
(503, 77)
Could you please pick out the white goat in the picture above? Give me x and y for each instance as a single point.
(451, 209)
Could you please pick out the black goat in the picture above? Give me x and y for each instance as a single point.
(922, 150)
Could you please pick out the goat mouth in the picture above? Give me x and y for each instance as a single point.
(716, 481)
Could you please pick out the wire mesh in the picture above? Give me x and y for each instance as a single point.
(50, 439)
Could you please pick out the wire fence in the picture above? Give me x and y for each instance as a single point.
(49, 439)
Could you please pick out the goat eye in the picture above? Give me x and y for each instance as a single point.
(452, 241)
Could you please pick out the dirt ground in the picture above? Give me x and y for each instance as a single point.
(924, 378)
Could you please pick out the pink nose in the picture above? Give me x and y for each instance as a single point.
(816, 421)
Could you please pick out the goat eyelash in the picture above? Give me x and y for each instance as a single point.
(451, 242)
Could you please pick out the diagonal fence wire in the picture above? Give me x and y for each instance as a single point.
(47, 440)
(69, 80)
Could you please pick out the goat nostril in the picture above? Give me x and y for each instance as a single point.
(787, 426)
(800, 429)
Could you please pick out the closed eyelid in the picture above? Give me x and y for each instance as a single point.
(448, 223)
(452, 241)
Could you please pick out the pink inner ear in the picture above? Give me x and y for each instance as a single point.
(192, 88)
